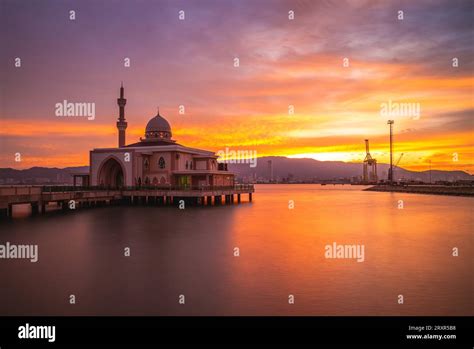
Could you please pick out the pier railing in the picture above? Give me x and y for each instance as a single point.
(236, 187)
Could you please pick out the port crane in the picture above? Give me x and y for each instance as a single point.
(398, 161)
(370, 166)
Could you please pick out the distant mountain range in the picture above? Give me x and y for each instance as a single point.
(310, 169)
(39, 175)
(283, 169)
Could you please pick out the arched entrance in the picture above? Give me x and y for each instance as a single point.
(111, 174)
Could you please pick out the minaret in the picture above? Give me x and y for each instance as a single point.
(121, 123)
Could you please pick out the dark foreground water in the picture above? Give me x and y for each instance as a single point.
(282, 251)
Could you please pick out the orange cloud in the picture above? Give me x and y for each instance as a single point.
(335, 109)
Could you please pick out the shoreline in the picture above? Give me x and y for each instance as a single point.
(466, 191)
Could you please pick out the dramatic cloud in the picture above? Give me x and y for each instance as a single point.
(283, 63)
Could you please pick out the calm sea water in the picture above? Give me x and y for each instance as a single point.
(282, 251)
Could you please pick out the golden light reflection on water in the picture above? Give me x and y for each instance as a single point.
(407, 251)
(282, 252)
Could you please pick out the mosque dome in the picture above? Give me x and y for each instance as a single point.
(158, 129)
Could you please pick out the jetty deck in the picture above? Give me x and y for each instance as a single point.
(72, 196)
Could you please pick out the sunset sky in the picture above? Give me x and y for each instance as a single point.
(283, 62)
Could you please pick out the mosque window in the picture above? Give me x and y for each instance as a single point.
(161, 163)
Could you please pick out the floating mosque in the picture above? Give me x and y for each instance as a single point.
(155, 160)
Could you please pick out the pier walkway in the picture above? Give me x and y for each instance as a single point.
(72, 196)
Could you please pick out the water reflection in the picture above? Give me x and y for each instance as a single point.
(190, 252)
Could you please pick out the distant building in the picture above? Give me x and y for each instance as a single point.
(156, 160)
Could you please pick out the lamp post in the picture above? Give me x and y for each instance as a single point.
(390, 171)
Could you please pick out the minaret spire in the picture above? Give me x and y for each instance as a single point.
(121, 123)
